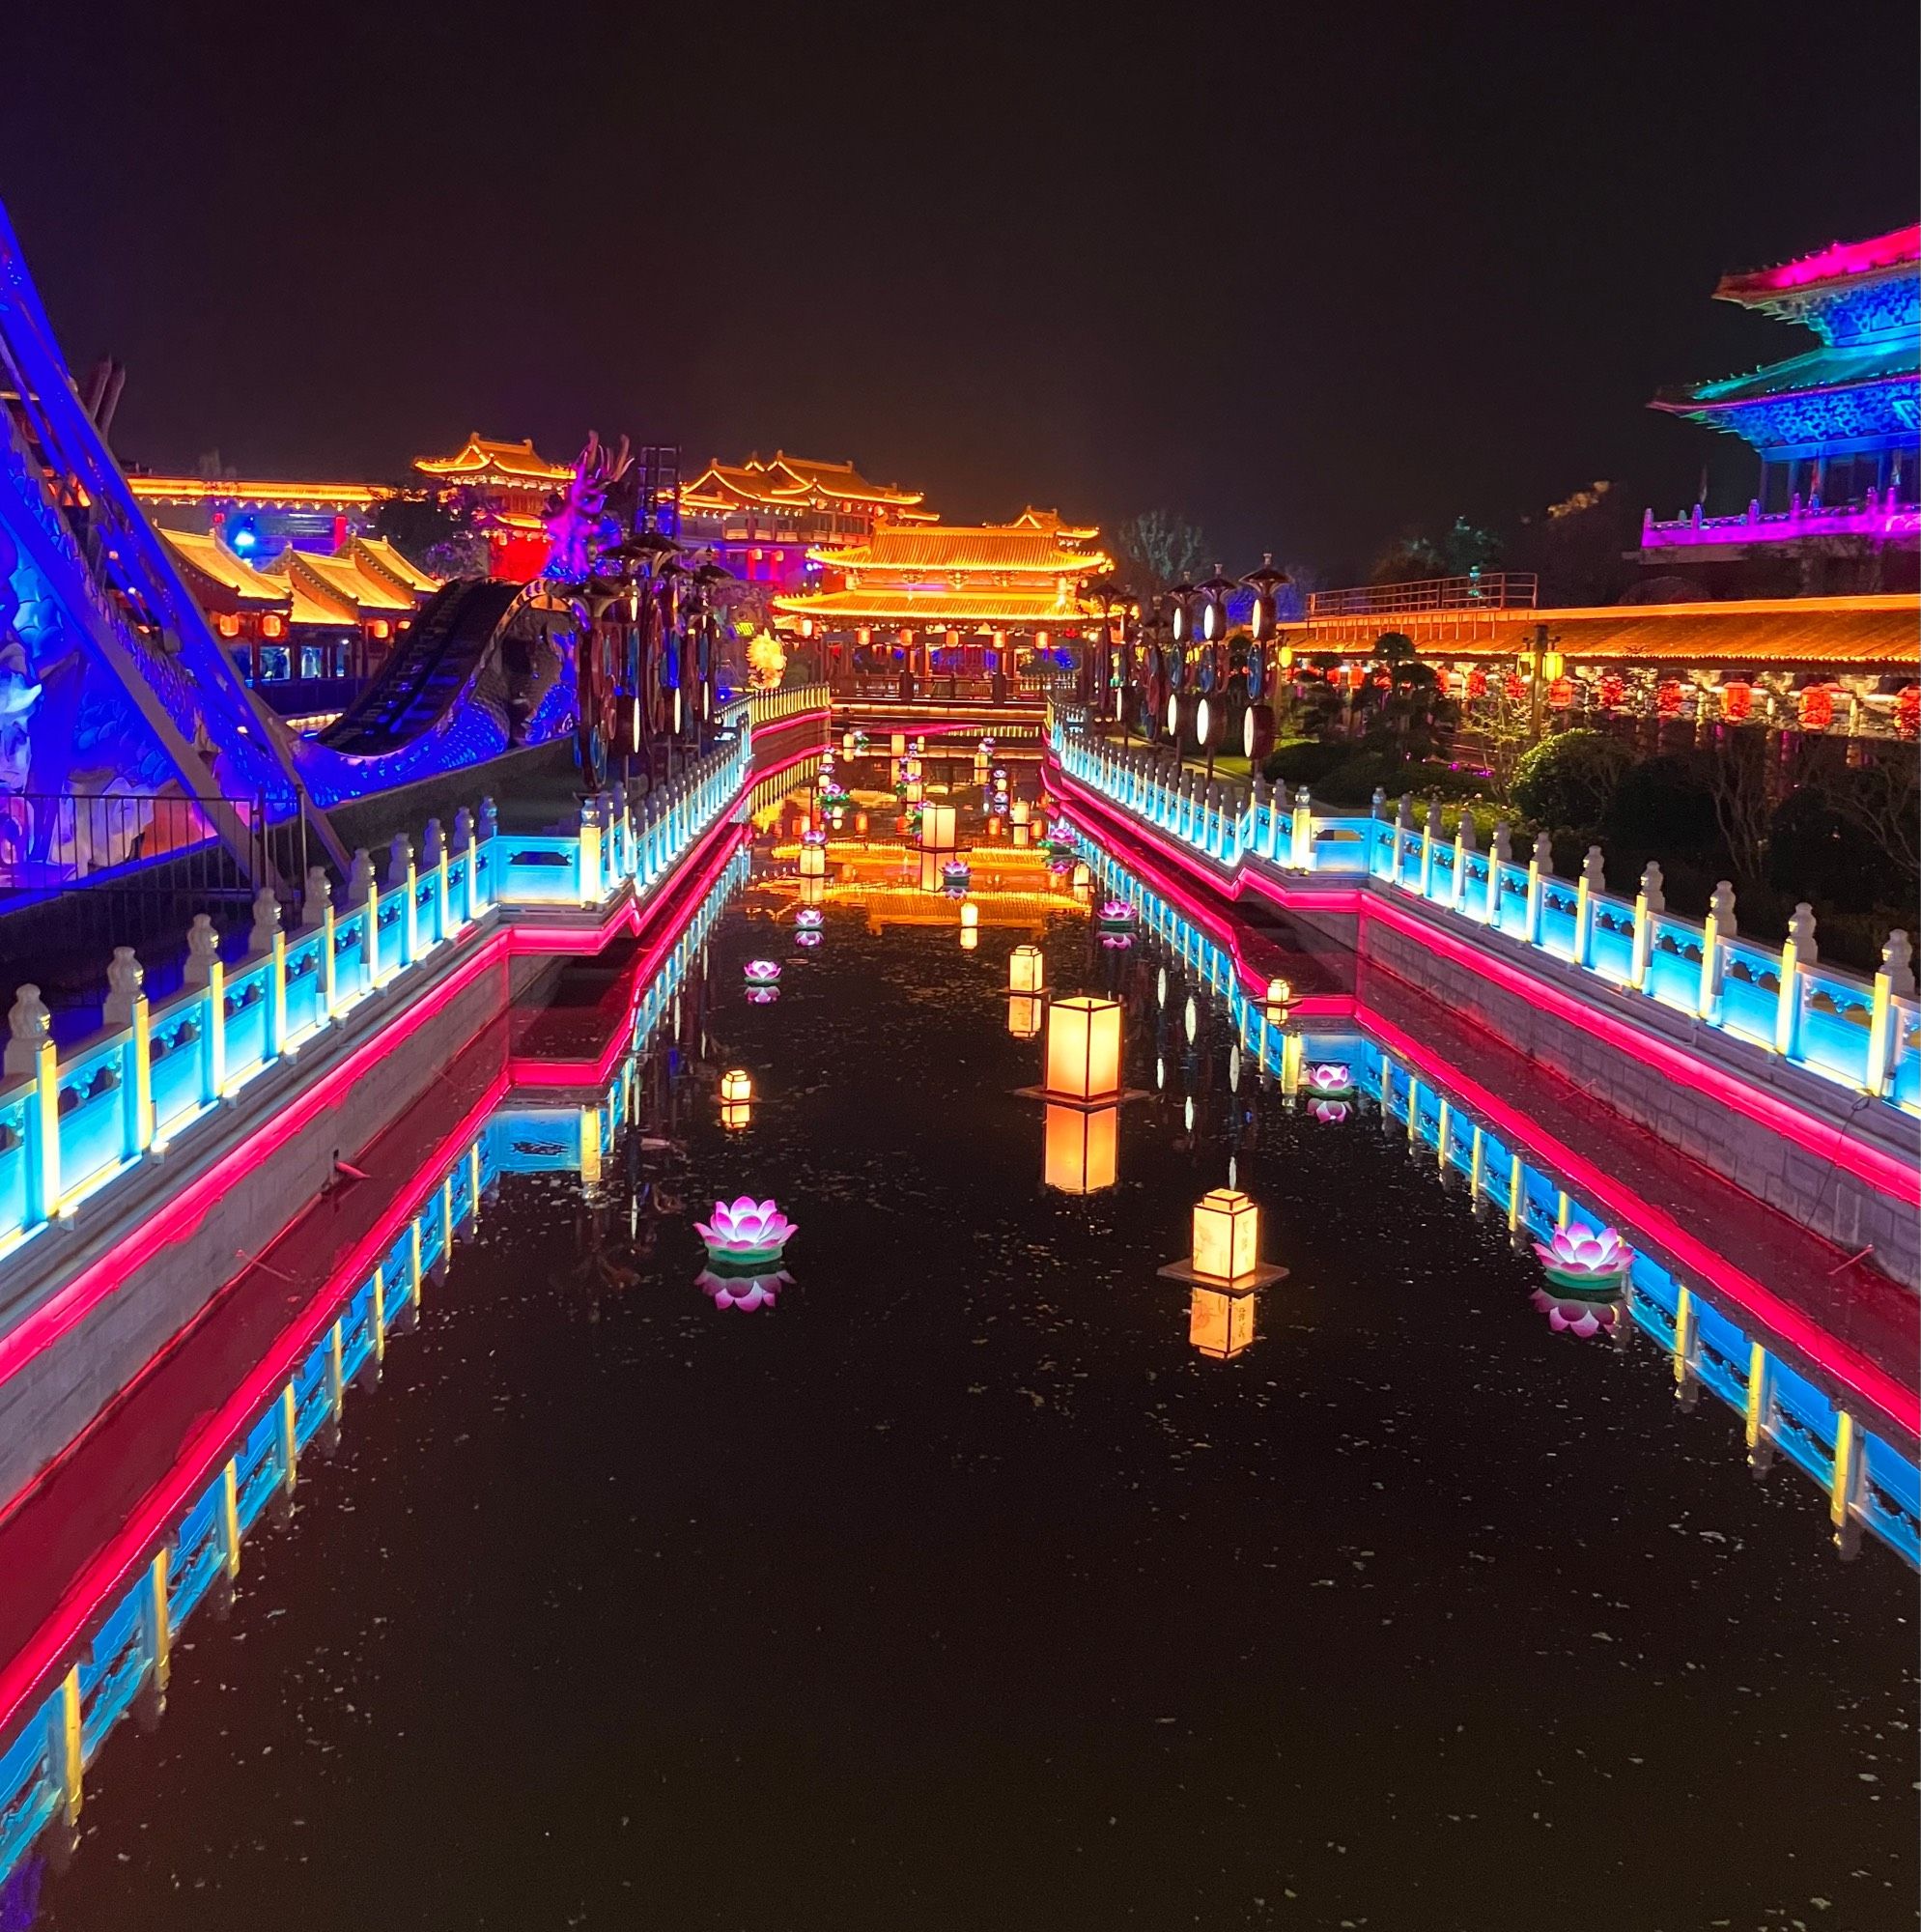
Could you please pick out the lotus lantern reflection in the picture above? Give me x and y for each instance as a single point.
(1332, 1112)
(808, 917)
(745, 1292)
(745, 1232)
(1585, 1258)
(1578, 1316)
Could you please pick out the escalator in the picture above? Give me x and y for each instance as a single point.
(448, 643)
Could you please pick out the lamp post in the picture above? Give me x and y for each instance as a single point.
(1266, 583)
(1540, 662)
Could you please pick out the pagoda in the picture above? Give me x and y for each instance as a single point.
(937, 599)
(1837, 427)
(508, 484)
(761, 518)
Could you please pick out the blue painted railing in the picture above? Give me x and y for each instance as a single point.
(1869, 1483)
(1864, 1034)
(71, 1124)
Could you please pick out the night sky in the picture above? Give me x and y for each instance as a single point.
(1311, 276)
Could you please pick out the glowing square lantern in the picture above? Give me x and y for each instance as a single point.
(813, 862)
(898, 745)
(1226, 1237)
(970, 914)
(1081, 1149)
(936, 828)
(1024, 1013)
(1084, 1050)
(736, 1099)
(1026, 970)
(1219, 1324)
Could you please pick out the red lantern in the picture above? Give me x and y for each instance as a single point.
(1613, 689)
(1907, 710)
(1516, 685)
(1736, 703)
(1561, 693)
(1817, 707)
(1667, 698)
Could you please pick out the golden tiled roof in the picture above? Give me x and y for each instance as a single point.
(370, 593)
(983, 609)
(267, 494)
(1025, 549)
(1872, 634)
(210, 560)
(482, 460)
(1051, 520)
(383, 560)
(790, 481)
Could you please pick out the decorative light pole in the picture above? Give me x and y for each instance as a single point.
(1541, 664)
(1258, 730)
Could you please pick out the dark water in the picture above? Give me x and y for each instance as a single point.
(956, 1589)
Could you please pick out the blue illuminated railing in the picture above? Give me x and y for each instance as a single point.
(71, 1124)
(1860, 1033)
(42, 1765)
(1869, 1483)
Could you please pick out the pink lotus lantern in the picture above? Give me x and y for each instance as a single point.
(1585, 1259)
(762, 972)
(745, 1232)
(1115, 912)
(745, 1292)
(1573, 1314)
(808, 917)
(1331, 1078)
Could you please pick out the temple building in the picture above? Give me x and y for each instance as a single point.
(764, 517)
(257, 518)
(306, 619)
(936, 600)
(506, 486)
(1836, 431)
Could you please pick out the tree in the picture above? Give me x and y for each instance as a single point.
(1403, 700)
(433, 534)
(1156, 550)
(1577, 547)
(1567, 782)
(1468, 549)
(1410, 558)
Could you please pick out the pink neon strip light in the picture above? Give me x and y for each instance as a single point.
(1884, 1172)
(1853, 1370)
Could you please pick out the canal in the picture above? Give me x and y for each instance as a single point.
(967, 1571)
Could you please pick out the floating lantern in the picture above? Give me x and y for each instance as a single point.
(860, 824)
(1219, 1325)
(1024, 1014)
(1226, 1237)
(1084, 879)
(957, 876)
(736, 1099)
(936, 828)
(1331, 1078)
(812, 890)
(1280, 997)
(746, 1232)
(1081, 1149)
(898, 745)
(970, 915)
(1026, 970)
(813, 857)
(1585, 1258)
(746, 1292)
(847, 743)
(1084, 1050)
(1116, 914)
(761, 972)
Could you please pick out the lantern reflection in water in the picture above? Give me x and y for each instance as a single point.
(1081, 1148)
(1084, 1050)
(1220, 1325)
(736, 1099)
(1024, 1012)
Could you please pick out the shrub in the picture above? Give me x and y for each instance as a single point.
(1665, 806)
(1567, 782)
(1304, 761)
(1816, 852)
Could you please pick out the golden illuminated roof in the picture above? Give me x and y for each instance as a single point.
(209, 560)
(1032, 519)
(983, 609)
(378, 558)
(266, 494)
(952, 549)
(792, 482)
(1877, 632)
(482, 460)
